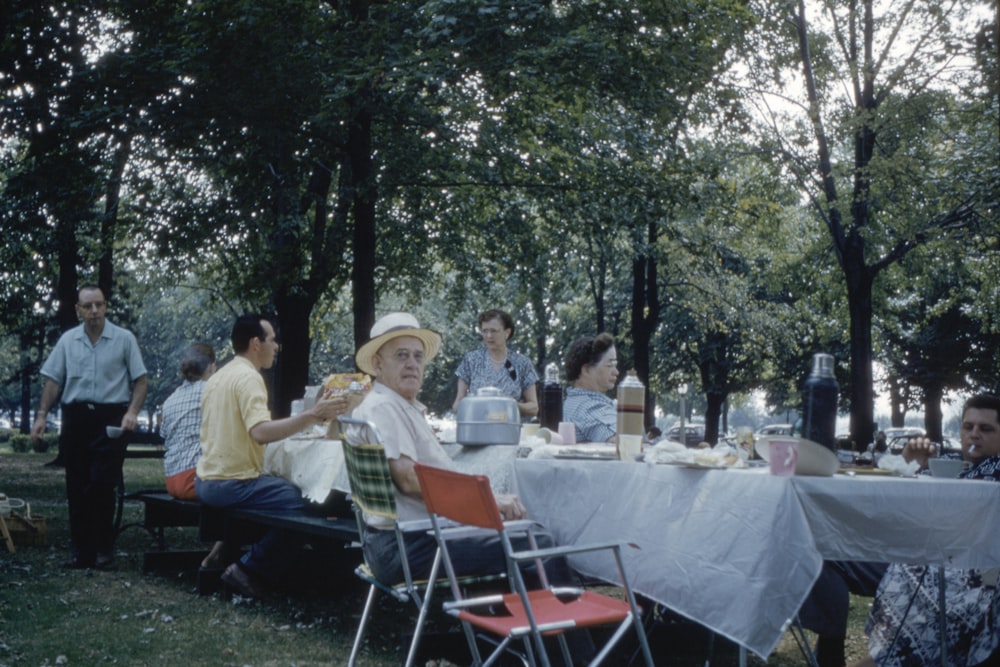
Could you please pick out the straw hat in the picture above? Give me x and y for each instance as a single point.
(392, 326)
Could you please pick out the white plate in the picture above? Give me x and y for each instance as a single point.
(814, 459)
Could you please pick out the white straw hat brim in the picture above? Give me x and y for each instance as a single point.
(430, 338)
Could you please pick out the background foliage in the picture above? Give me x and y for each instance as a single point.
(685, 175)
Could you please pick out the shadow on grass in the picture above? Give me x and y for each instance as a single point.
(50, 616)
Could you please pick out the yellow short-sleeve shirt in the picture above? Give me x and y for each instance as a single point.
(234, 401)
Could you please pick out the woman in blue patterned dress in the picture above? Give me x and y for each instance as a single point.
(903, 628)
(494, 365)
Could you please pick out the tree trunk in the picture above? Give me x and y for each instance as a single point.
(859, 302)
(68, 258)
(933, 396)
(713, 411)
(849, 245)
(537, 300)
(362, 185)
(105, 263)
(644, 320)
(28, 370)
(291, 373)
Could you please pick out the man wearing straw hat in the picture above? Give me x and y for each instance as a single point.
(396, 355)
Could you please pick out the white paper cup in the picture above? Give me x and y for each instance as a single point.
(550, 436)
(567, 431)
(629, 447)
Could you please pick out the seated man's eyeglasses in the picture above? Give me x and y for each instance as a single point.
(403, 356)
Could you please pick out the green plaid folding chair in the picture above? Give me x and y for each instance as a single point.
(372, 493)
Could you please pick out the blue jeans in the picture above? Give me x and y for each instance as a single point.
(272, 556)
(470, 556)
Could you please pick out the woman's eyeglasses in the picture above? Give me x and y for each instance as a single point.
(510, 370)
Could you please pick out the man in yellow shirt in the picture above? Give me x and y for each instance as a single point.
(235, 428)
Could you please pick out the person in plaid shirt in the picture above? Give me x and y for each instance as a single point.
(181, 427)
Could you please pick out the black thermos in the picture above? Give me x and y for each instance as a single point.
(552, 399)
(819, 403)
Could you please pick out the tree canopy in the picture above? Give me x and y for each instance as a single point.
(617, 166)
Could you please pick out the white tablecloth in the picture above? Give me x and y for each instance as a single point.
(316, 465)
(739, 550)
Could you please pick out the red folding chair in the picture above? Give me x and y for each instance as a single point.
(521, 615)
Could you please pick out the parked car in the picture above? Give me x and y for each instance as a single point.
(946, 445)
(693, 434)
(949, 445)
(774, 429)
(900, 431)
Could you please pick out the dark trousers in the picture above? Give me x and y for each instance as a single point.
(825, 610)
(93, 470)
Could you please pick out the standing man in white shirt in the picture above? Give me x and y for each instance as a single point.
(98, 371)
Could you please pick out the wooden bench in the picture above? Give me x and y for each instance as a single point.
(161, 511)
(236, 526)
(237, 523)
(144, 445)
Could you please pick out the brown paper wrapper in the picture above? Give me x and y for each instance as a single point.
(354, 399)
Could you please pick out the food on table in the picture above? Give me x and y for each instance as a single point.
(342, 383)
(353, 385)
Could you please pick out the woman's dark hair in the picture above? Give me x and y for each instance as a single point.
(245, 329)
(586, 351)
(983, 402)
(197, 359)
(505, 319)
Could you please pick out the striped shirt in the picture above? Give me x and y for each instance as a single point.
(181, 427)
(594, 414)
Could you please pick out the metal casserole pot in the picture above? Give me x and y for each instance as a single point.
(488, 418)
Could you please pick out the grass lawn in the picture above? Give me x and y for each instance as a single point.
(50, 616)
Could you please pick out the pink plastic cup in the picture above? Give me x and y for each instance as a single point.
(783, 455)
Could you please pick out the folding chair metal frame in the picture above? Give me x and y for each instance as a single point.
(526, 615)
(372, 492)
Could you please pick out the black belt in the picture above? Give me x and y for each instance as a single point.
(94, 406)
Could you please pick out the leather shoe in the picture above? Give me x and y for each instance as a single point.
(76, 563)
(104, 561)
(238, 579)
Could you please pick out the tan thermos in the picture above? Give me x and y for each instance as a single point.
(631, 406)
